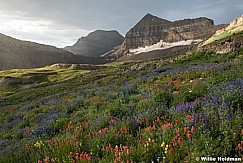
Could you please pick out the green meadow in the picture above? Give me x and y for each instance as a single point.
(161, 110)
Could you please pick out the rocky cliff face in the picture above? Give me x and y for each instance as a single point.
(151, 30)
(24, 54)
(96, 43)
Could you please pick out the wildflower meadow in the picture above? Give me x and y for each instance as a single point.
(162, 110)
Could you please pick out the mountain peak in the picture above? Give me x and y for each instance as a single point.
(152, 32)
(148, 15)
(96, 43)
(100, 33)
(150, 20)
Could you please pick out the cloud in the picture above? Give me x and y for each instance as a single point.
(59, 20)
(41, 31)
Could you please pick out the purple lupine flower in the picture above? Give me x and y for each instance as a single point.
(228, 116)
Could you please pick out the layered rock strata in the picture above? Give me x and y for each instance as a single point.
(150, 30)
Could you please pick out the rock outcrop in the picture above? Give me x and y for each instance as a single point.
(228, 43)
(96, 43)
(77, 66)
(225, 45)
(226, 40)
(17, 54)
(151, 30)
(234, 27)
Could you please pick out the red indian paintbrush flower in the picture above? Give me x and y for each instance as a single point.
(189, 117)
(47, 159)
(188, 135)
(192, 129)
(27, 146)
(171, 150)
(186, 129)
(239, 145)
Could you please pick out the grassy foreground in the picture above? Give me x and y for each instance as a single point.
(148, 111)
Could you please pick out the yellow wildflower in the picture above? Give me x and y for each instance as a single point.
(41, 143)
(162, 145)
(166, 148)
(38, 144)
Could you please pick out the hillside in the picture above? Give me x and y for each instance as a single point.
(227, 44)
(97, 43)
(15, 54)
(226, 40)
(171, 109)
(234, 27)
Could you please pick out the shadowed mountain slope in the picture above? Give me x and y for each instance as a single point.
(96, 43)
(19, 54)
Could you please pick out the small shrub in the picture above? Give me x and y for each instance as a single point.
(59, 123)
(231, 56)
(164, 98)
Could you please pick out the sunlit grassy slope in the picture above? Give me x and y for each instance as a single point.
(224, 34)
(157, 110)
(217, 37)
(16, 79)
(50, 73)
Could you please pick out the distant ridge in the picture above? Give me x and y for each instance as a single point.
(17, 54)
(96, 44)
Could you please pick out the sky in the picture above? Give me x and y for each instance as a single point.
(61, 22)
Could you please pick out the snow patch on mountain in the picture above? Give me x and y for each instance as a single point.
(111, 51)
(163, 45)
